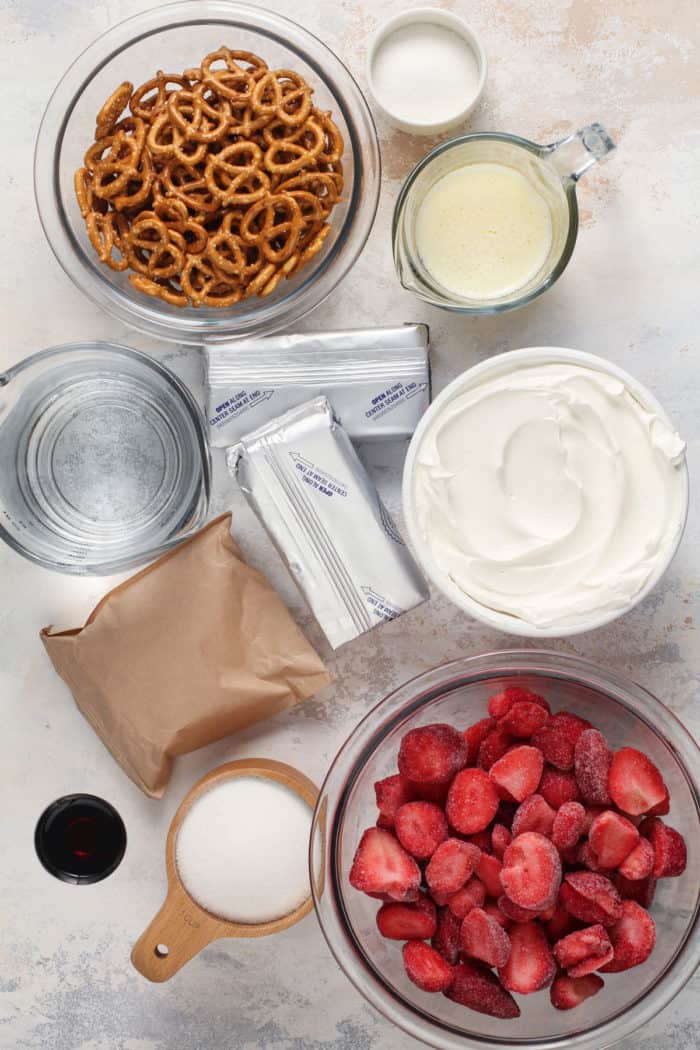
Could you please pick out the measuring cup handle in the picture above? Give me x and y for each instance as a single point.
(175, 936)
(579, 151)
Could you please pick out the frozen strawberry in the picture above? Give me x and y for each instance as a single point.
(482, 840)
(531, 965)
(567, 993)
(382, 865)
(471, 801)
(501, 838)
(612, 838)
(501, 703)
(557, 738)
(583, 951)
(435, 793)
(451, 865)
(592, 758)
(661, 808)
(670, 853)
(569, 857)
(475, 735)
(493, 747)
(514, 912)
(640, 890)
(426, 968)
(633, 938)
(420, 828)
(533, 814)
(591, 898)
(475, 986)
(557, 787)
(634, 782)
(447, 939)
(495, 912)
(591, 813)
(432, 754)
(407, 922)
(391, 793)
(470, 896)
(517, 774)
(560, 924)
(531, 872)
(484, 938)
(568, 825)
(523, 719)
(639, 863)
(587, 856)
(489, 872)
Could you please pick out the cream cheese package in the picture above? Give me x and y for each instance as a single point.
(304, 480)
(377, 379)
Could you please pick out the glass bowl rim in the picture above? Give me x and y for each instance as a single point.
(345, 769)
(139, 312)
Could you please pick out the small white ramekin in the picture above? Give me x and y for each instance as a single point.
(498, 365)
(436, 16)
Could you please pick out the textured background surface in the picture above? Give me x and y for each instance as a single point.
(630, 294)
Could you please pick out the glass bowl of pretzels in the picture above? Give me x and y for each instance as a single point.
(207, 170)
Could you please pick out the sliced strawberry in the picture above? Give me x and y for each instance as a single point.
(495, 912)
(522, 719)
(634, 782)
(482, 840)
(591, 898)
(592, 758)
(633, 938)
(557, 738)
(426, 968)
(475, 735)
(407, 922)
(489, 872)
(451, 865)
(471, 801)
(587, 856)
(514, 912)
(640, 890)
(531, 872)
(591, 813)
(420, 828)
(560, 924)
(501, 838)
(447, 939)
(640, 862)
(518, 773)
(567, 993)
(493, 747)
(557, 787)
(432, 754)
(382, 865)
(435, 793)
(661, 808)
(391, 793)
(531, 965)
(476, 987)
(670, 853)
(533, 814)
(583, 951)
(612, 837)
(501, 703)
(568, 825)
(470, 896)
(484, 938)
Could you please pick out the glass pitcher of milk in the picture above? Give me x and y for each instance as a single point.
(487, 222)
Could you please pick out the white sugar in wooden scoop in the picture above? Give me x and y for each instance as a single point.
(242, 850)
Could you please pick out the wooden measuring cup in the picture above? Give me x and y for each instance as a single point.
(182, 927)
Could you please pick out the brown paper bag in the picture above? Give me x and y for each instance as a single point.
(189, 650)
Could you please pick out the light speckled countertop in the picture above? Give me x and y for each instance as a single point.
(630, 294)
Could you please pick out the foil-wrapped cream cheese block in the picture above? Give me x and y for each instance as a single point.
(303, 478)
(377, 379)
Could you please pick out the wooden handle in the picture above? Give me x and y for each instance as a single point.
(175, 935)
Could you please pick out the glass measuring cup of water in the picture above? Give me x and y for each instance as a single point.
(551, 173)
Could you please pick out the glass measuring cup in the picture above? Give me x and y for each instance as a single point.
(553, 170)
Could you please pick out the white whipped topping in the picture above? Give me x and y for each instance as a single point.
(550, 493)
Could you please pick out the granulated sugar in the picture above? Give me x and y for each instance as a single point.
(242, 850)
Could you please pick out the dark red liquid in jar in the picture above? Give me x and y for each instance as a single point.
(80, 839)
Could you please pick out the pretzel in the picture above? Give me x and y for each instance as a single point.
(216, 185)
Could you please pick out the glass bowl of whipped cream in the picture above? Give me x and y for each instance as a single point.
(545, 492)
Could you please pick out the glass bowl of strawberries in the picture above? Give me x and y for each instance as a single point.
(511, 854)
